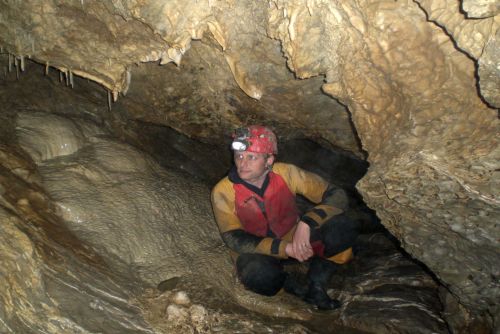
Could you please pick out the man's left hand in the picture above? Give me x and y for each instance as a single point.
(301, 242)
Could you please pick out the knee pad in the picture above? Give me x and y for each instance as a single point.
(261, 274)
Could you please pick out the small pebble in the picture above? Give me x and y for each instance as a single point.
(181, 298)
(176, 313)
(198, 313)
(23, 202)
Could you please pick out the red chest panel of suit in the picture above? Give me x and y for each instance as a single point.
(276, 210)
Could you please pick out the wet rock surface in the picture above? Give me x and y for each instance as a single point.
(51, 282)
(83, 227)
(385, 291)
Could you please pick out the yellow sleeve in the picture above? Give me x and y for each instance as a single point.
(223, 206)
(302, 182)
(330, 200)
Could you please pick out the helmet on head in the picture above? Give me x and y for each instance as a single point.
(255, 138)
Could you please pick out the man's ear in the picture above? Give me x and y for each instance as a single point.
(270, 160)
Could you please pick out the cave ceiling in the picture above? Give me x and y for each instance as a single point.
(223, 49)
(413, 85)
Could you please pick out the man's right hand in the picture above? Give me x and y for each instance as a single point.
(300, 256)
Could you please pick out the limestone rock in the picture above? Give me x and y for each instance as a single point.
(480, 8)
(117, 180)
(408, 73)
(376, 299)
(46, 136)
(50, 282)
(181, 298)
(196, 107)
(476, 33)
(410, 127)
(176, 314)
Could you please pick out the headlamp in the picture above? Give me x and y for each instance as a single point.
(240, 141)
(239, 145)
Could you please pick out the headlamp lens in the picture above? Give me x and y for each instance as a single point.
(238, 145)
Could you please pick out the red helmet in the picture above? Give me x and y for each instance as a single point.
(255, 138)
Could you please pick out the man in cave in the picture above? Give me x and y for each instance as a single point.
(256, 211)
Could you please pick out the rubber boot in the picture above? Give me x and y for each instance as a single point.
(293, 285)
(319, 274)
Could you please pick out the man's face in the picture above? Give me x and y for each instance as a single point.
(252, 167)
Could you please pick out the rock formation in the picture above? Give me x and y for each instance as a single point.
(410, 85)
(93, 224)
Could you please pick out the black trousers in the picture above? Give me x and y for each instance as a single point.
(264, 274)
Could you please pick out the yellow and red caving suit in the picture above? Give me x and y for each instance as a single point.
(253, 220)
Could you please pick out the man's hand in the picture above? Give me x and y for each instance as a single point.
(300, 248)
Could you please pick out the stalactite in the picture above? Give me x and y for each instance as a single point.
(60, 76)
(22, 63)
(47, 68)
(17, 67)
(10, 63)
(71, 79)
(67, 78)
(128, 78)
(109, 100)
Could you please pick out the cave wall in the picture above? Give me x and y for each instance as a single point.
(420, 81)
(431, 140)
